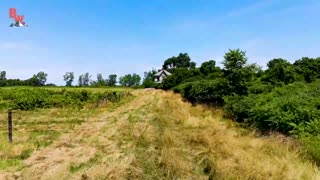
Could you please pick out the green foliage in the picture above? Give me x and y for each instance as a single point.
(148, 81)
(259, 87)
(236, 72)
(3, 75)
(84, 79)
(309, 68)
(193, 78)
(208, 67)
(280, 70)
(204, 91)
(68, 78)
(170, 82)
(100, 80)
(275, 99)
(130, 80)
(112, 80)
(33, 98)
(178, 76)
(312, 146)
(181, 61)
(283, 109)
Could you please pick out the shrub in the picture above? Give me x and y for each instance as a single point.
(205, 91)
(283, 109)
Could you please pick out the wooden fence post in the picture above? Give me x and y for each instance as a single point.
(10, 125)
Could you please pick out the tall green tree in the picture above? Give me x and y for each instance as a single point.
(130, 80)
(235, 72)
(42, 78)
(68, 78)
(80, 80)
(136, 80)
(181, 61)
(37, 79)
(112, 80)
(84, 79)
(100, 80)
(3, 75)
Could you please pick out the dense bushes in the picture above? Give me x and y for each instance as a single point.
(283, 109)
(293, 109)
(205, 91)
(32, 98)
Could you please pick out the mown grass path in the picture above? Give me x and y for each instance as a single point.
(158, 136)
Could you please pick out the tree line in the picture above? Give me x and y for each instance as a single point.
(40, 79)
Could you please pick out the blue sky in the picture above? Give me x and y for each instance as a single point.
(133, 36)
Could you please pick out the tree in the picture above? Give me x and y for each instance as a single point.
(100, 80)
(235, 72)
(280, 71)
(80, 81)
(42, 78)
(86, 79)
(3, 75)
(68, 77)
(130, 80)
(112, 80)
(125, 80)
(3, 79)
(37, 79)
(208, 67)
(136, 79)
(309, 68)
(182, 61)
(148, 80)
(179, 75)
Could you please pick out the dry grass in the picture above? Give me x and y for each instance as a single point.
(158, 136)
(194, 143)
(39, 139)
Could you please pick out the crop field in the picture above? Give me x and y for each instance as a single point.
(42, 115)
(145, 134)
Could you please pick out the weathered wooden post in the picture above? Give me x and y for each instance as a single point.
(10, 124)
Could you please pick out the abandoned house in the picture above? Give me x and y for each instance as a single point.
(161, 75)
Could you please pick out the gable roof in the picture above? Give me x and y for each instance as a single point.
(163, 71)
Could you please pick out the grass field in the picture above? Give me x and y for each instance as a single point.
(150, 135)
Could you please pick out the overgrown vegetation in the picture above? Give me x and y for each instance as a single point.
(33, 98)
(282, 98)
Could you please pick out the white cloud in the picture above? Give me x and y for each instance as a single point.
(15, 45)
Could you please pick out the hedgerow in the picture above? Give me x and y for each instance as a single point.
(204, 91)
(33, 98)
(284, 109)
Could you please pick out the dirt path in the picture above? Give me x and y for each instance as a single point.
(158, 136)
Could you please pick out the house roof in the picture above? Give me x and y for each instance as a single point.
(163, 71)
